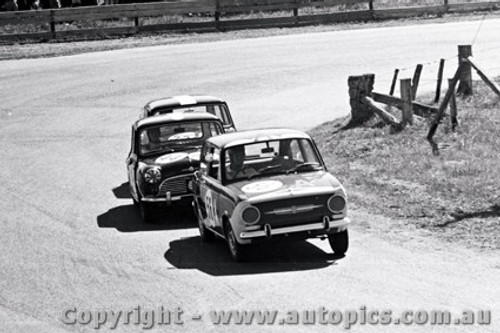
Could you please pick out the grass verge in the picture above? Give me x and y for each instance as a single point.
(456, 195)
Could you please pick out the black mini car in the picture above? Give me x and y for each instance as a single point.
(190, 104)
(165, 151)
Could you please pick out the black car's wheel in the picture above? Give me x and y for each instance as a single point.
(136, 203)
(146, 212)
(339, 242)
(205, 234)
(236, 250)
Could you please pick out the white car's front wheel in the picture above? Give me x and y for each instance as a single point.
(339, 242)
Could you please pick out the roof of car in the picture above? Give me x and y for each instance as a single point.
(259, 135)
(174, 117)
(182, 100)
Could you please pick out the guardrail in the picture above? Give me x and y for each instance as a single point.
(214, 15)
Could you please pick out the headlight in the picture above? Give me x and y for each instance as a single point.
(152, 176)
(336, 204)
(250, 215)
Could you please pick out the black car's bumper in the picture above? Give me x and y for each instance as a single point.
(168, 199)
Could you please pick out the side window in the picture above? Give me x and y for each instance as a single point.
(204, 157)
(221, 112)
(132, 146)
(307, 149)
(296, 152)
(213, 165)
(215, 129)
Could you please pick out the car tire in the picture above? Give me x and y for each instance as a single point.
(339, 242)
(136, 203)
(146, 212)
(205, 234)
(236, 250)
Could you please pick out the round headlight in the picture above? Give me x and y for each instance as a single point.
(250, 215)
(336, 204)
(152, 176)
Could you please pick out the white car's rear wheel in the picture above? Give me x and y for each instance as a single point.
(205, 234)
(235, 249)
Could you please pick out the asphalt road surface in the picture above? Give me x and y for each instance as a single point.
(71, 238)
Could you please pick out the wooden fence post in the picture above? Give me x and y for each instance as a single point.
(492, 84)
(296, 12)
(359, 87)
(406, 96)
(52, 24)
(415, 81)
(440, 113)
(394, 80)
(465, 85)
(439, 80)
(453, 106)
(383, 114)
(217, 14)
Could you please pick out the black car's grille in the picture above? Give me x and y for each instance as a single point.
(294, 211)
(176, 185)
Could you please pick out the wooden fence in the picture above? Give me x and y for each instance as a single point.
(49, 24)
(365, 102)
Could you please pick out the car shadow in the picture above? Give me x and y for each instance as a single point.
(214, 259)
(122, 191)
(127, 218)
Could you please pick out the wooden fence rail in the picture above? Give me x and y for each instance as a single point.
(365, 10)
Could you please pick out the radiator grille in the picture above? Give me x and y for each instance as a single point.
(176, 185)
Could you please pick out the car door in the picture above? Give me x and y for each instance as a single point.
(132, 167)
(209, 187)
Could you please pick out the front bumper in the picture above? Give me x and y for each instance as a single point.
(326, 227)
(167, 198)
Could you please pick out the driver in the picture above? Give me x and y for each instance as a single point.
(152, 139)
(236, 167)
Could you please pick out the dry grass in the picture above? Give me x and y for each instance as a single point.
(455, 194)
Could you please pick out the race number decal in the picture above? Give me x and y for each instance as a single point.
(263, 186)
(169, 158)
(211, 207)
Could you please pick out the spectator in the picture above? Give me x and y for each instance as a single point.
(10, 5)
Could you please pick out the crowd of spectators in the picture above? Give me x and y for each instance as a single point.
(13, 5)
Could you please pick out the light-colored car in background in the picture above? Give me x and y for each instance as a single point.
(263, 185)
(187, 103)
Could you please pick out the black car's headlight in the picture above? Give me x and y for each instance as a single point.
(152, 175)
(336, 203)
(250, 215)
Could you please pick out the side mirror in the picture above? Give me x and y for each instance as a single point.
(131, 159)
